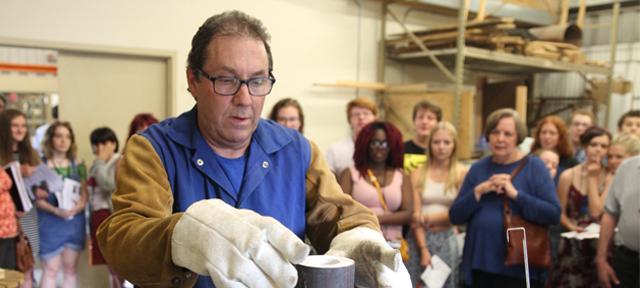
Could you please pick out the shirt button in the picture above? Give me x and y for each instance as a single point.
(176, 281)
(265, 164)
(199, 162)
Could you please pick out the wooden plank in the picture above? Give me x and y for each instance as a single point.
(521, 102)
(354, 84)
(582, 10)
(470, 25)
(564, 12)
(480, 15)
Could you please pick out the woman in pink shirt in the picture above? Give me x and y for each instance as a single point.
(376, 179)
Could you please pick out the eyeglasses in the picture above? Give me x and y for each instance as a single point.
(379, 144)
(229, 86)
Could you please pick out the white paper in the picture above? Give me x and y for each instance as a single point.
(436, 275)
(590, 232)
(13, 169)
(44, 174)
(70, 194)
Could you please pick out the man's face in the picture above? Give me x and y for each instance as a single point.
(631, 125)
(360, 117)
(425, 120)
(227, 122)
(579, 123)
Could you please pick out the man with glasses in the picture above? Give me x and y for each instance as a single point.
(360, 112)
(220, 193)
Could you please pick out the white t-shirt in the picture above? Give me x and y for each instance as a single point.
(340, 155)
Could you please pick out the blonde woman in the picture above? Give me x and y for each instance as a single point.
(435, 186)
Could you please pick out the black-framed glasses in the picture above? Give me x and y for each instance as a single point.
(229, 86)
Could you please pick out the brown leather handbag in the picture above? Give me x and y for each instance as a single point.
(24, 253)
(538, 243)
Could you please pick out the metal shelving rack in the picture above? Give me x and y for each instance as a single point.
(478, 59)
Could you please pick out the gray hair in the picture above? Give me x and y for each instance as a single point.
(230, 23)
(496, 116)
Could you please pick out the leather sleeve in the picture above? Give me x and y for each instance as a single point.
(136, 238)
(329, 211)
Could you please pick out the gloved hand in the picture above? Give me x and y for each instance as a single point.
(236, 247)
(377, 264)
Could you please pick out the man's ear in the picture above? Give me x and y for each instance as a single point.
(192, 79)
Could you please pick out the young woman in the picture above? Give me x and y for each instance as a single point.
(435, 186)
(376, 180)
(140, 122)
(15, 146)
(622, 147)
(552, 134)
(62, 230)
(102, 180)
(288, 112)
(582, 191)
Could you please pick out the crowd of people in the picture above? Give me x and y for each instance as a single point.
(416, 193)
(58, 235)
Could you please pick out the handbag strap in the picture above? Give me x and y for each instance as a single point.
(505, 201)
(376, 184)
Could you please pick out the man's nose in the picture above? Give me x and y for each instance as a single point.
(242, 97)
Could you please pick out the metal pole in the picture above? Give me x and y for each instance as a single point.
(612, 60)
(457, 92)
(524, 249)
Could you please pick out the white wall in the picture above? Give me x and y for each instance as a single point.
(312, 41)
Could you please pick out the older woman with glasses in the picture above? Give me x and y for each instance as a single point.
(288, 113)
(376, 179)
(479, 204)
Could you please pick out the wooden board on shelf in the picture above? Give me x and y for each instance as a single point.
(399, 110)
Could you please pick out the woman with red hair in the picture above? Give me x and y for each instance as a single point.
(141, 122)
(552, 134)
(376, 179)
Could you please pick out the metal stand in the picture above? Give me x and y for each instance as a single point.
(524, 249)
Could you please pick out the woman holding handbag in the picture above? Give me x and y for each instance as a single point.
(15, 146)
(529, 193)
(376, 180)
(435, 186)
(62, 227)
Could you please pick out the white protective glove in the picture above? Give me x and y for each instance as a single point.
(236, 247)
(377, 264)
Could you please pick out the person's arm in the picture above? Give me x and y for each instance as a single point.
(540, 204)
(104, 174)
(606, 275)
(44, 205)
(596, 199)
(403, 214)
(563, 195)
(418, 230)
(468, 200)
(136, 238)
(345, 181)
(329, 210)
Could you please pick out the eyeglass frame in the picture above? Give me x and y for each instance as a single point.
(242, 81)
(379, 144)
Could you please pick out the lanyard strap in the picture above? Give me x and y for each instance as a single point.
(376, 184)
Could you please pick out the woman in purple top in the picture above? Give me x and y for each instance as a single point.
(480, 204)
